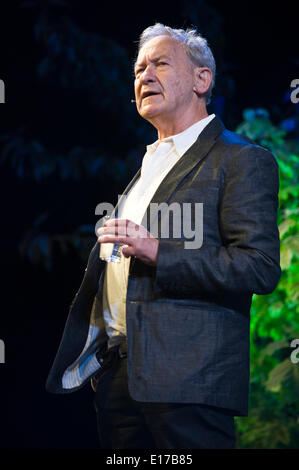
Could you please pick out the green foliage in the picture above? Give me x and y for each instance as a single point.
(273, 420)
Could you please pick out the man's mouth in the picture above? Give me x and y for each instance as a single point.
(146, 94)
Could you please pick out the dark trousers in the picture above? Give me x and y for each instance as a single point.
(124, 423)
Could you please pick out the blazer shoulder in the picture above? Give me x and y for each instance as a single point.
(236, 143)
(239, 140)
(236, 151)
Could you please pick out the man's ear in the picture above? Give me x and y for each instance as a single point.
(202, 80)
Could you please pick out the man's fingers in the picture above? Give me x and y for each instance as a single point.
(128, 251)
(121, 231)
(127, 225)
(119, 223)
(123, 227)
(146, 250)
(114, 239)
(113, 230)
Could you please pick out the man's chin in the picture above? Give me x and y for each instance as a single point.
(149, 112)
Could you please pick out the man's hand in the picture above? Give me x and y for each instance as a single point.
(139, 242)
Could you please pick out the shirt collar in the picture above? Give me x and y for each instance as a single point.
(185, 139)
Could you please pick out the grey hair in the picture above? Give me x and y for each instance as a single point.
(196, 48)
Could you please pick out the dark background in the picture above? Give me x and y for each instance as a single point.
(256, 49)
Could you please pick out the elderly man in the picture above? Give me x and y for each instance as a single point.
(164, 333)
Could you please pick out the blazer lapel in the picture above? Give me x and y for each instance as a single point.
(192, 157)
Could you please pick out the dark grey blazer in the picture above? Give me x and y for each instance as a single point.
(188, 317)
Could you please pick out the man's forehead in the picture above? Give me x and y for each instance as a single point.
(158, 46)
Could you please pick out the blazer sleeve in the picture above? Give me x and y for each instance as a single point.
(247, 259)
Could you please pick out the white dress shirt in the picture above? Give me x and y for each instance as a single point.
(160, 157)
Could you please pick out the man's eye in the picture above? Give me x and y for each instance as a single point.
(162, 63)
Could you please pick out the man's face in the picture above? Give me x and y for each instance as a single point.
(163, 80)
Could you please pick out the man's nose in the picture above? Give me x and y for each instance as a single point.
(148, 74)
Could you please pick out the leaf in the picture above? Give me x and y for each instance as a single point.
(249, 114)
(272, 347)
(286, 254)
(281, 373)
(285, 226)
(285, 168)
(292, 242)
